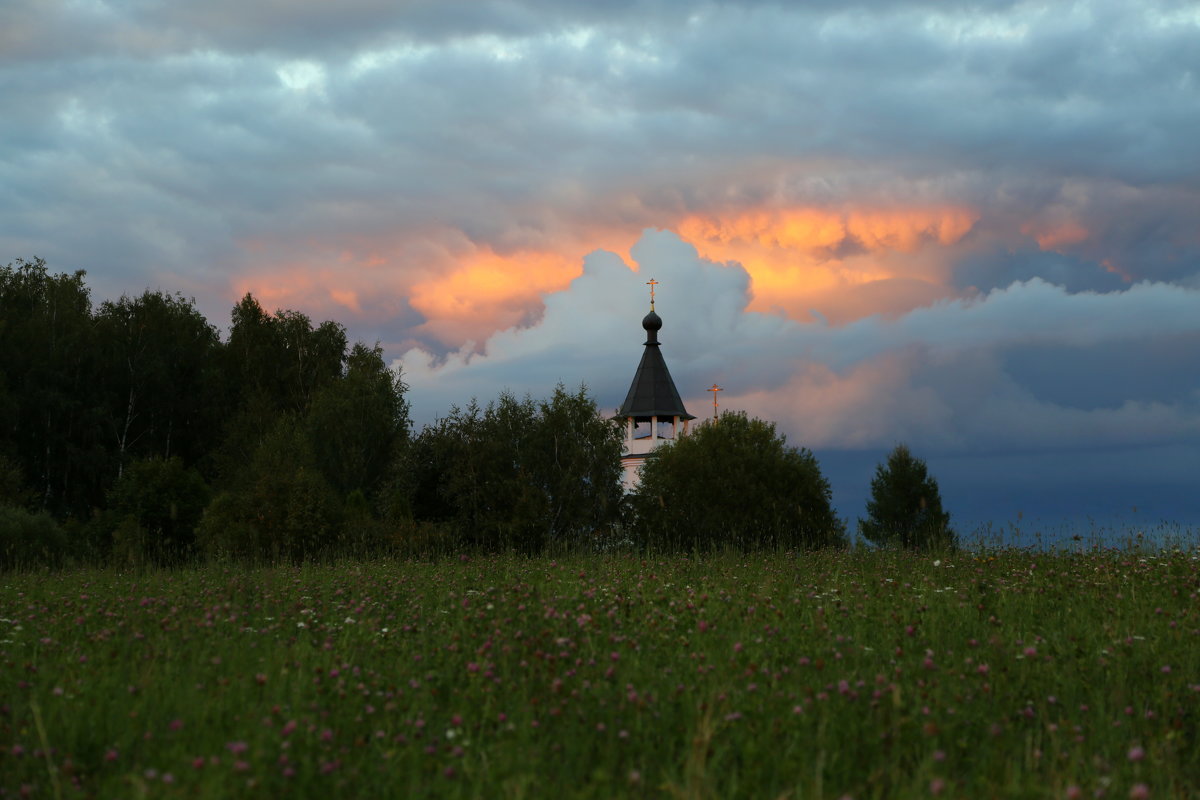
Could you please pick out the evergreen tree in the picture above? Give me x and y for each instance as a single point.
(734, 482)
(905, 508)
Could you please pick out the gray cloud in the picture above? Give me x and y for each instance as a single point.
(475, 115)
(369, 149)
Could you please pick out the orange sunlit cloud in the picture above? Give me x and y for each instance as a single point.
(297, 287)
(485, 291)
(347, 299)
(1055, 236)
(465, 290)
(844, 264)
(1060, 232)
(870, 403)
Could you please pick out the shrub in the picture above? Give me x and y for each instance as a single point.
(734, 482)
(13, 491)
(284, 508)
(225, 531)
(159, 503)
(519, 473)
(30, 539)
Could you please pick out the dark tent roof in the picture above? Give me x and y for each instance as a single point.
(653, 393)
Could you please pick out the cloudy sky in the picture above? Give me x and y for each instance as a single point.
(974, 229)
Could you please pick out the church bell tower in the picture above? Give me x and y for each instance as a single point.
(652, 411)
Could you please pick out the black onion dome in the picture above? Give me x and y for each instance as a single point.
(652, 322)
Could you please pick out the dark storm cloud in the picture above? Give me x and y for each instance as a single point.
(468, 108)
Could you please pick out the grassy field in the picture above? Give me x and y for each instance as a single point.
(860, 674)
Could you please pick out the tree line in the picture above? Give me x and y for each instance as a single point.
(132, 432)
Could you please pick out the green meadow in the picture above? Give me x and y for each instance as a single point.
(863, 674)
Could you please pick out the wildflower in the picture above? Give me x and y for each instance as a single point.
(937, 786)
(1140, 791)
(1136, 754)
(237, 748)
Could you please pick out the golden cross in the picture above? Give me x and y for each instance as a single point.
(652, 283)
(714, 390)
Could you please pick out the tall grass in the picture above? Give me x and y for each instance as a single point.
(863, 673)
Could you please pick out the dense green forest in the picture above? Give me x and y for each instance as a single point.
(132, 432)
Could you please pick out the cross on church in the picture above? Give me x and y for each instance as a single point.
(714, 390)
(652, 283)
